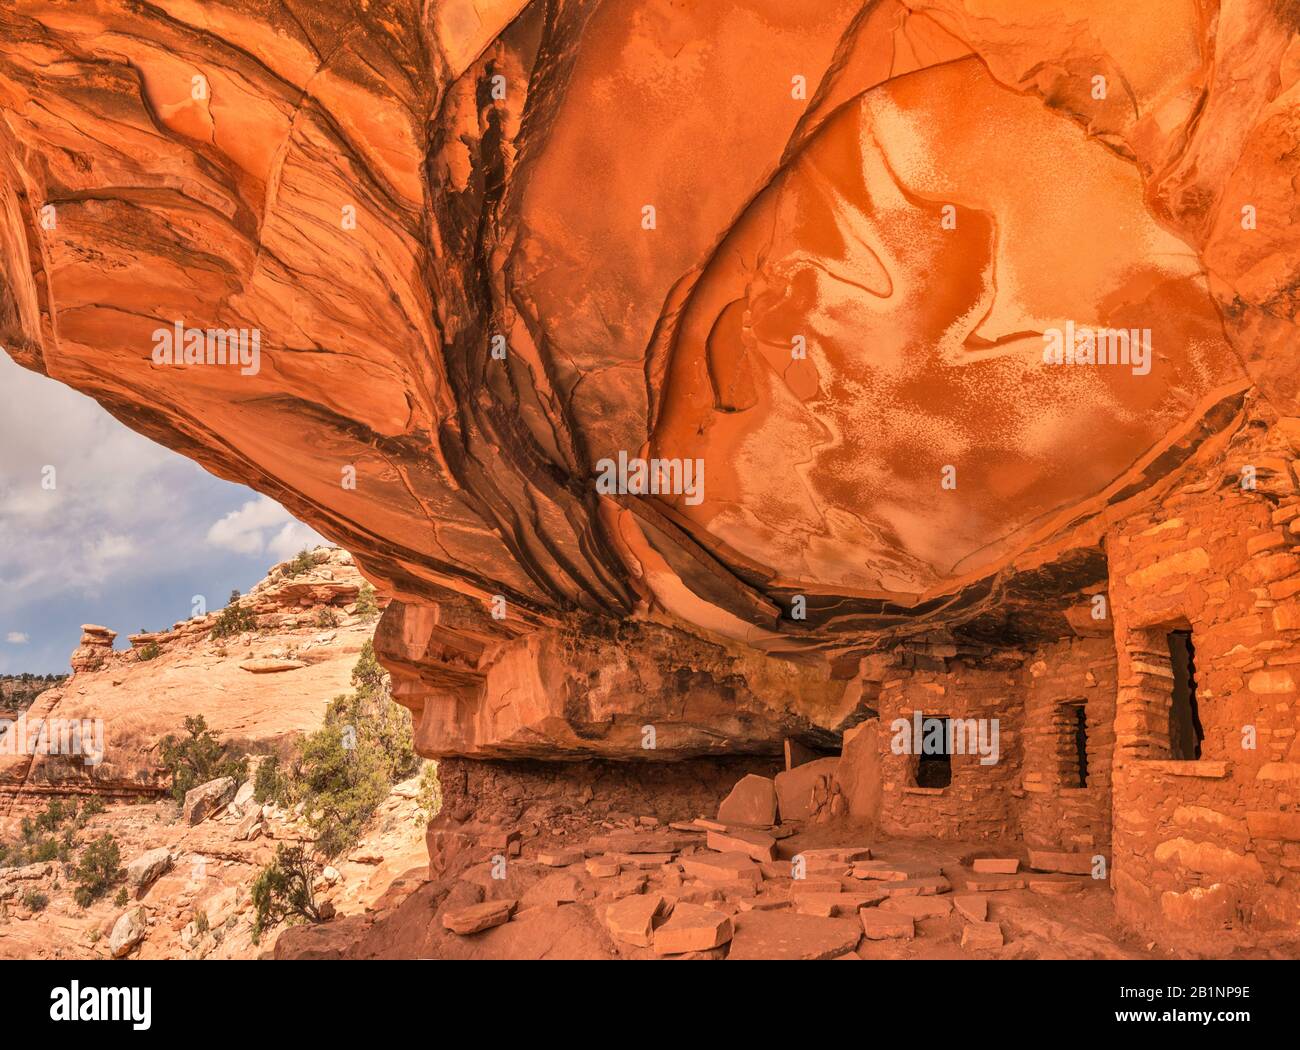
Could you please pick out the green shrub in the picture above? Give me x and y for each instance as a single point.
(233, 619)
(122, 898)
(347, 766)
(149, 651)
(430, 794)
(271, 783)
(93, 806)
(198, 757)
(326, 617)
(34, 900)
(283, 890)
(98, 868)
(366, 605)
(56, 813)
(304, 561)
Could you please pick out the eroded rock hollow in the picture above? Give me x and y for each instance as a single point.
(698, 377)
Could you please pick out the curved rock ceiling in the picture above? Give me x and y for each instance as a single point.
(643, 208)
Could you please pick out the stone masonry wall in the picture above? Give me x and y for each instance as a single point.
(1207, 852)
(1055, 813)
(978, 803)
(1023, 794)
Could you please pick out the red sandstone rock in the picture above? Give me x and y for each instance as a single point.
(981, 936)
(632, 919)
(996, 865)
(755, 844)
(752, 801)
(796, 788)
(773, 935)
(478, 917)
(882, 925)
(692, 928)
(973, 906)
(718, 867)
(918, 907)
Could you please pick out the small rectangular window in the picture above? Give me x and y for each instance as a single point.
(934, 767)
(1074, 746)
(1185, 732)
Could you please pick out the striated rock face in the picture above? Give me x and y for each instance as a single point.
(477, 256)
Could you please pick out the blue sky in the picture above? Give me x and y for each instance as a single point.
(129, 534)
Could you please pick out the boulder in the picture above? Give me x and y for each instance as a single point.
(128, 931)
(141, 872)
(201, 802)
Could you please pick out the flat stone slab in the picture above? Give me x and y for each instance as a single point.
(884, 871)
(972, 906)
(647, 842)
(996, 865)
(1066, 863)
(642, 860)
(757, 845)
(784, 935)
(269, 665)
(751, 802)
(559, 858)
(885, 926)
(907, 888)
(603, 867)
(478, 917)
(799, 887)
(721, 867)
(838, 855)
(932, 907)
(632, 918)
(831, 904)
(1057, 885)
(994, 883)
(692, 928)
(763, 904)
(982, 935)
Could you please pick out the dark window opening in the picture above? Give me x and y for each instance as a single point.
(934, 767)
(1185, 732)
(1077, 767)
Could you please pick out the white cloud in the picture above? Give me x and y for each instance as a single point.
(123, 509)
(17, 638)
(261, 525)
